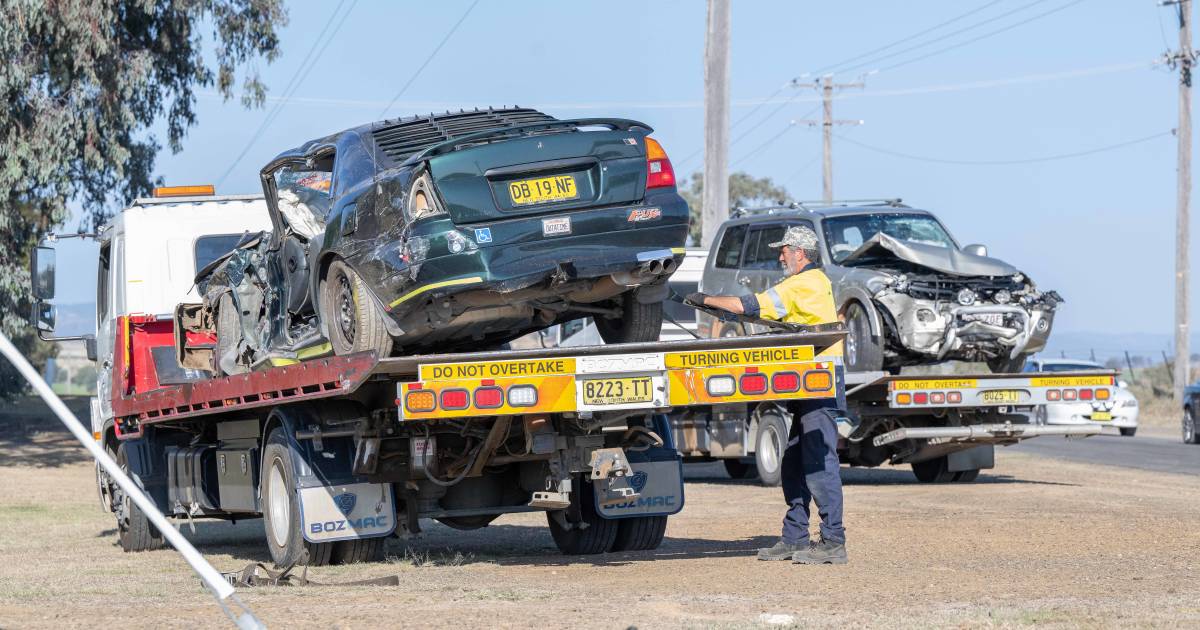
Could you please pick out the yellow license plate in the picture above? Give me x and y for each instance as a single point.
(543, 190)
(1101, 416)
(617, 391)
(1002, 396)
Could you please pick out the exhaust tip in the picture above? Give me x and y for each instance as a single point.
(669, 265)
(655, 267)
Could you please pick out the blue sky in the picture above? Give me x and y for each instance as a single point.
(1098, 228)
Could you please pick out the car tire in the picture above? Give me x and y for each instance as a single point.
(1128, 431)
(281, 509)
(640, 533)
(638, 322)
(599, 534)
(739, 469)
(933, 471)
(353, 321)
(1005, 365)
(229, 334)
(1190, 435)
(863, 352)
(134, 529)
(769, 445)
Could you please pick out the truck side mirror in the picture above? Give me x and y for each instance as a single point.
(975, 249)
(42, 272)
(43, 317)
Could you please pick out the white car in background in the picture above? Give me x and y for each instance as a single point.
(1120, 412)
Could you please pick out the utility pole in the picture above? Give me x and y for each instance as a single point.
(1184, 59)
(716, 122)
(827, 86)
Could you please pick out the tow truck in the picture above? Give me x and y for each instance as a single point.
(945, 426)
(337, 453)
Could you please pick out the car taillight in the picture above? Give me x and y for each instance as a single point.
(489, 397)
(420, 401)
(1053, 395)
(455, 399)
(659, 172)
(785, 382)
(920, 398)
(954, 397)
(1068, 394)
(937, 398)
(1102, 394)
(818, 381)
(1085, 394)
(753, 384)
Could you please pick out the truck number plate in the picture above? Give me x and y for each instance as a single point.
(1002, 396)
(543, 190)
(618, 391)
(1101, 416)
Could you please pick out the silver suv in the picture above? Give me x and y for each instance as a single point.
(909, 294)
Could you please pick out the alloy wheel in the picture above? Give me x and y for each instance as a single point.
(347, 319)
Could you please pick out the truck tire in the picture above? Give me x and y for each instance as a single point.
(134, 529)
(356, 551)
(640, 533)
(769, 446)
(638, 322)
(966, 476)
(933, 471)
(281, 509)
(352, 320)
(597, 537)
(1190, 434)
(739, 469)
(864, 353)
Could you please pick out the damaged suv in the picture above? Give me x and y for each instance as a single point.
(451, 231)
(909, 294)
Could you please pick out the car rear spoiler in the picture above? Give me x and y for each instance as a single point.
(447, 146)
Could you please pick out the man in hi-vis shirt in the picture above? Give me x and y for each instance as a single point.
(810, 469)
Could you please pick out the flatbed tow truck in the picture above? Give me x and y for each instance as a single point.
(945, 426)
(337, 453)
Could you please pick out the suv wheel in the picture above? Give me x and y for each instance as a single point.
(863, 352)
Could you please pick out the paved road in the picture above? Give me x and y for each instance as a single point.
(1146, 452)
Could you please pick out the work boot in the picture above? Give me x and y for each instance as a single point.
(822, 552)
(781, 551)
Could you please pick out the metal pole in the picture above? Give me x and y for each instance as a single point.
(1182, 200)
(716, 121)
(827, 149)
(221, 589)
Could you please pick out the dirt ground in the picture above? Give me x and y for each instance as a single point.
(1034, 542)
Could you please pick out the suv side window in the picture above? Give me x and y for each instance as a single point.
(759, 253)
(730, 250)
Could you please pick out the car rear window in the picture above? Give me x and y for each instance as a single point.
(731, 247)
(210, 248)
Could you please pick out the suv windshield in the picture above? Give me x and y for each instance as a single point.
(845, 234)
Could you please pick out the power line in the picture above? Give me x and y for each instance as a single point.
(1049, 158)
(293, 84)
(428, 59)
(984, 36)
(908, 38)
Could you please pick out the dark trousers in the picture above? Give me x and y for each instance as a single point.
(811, 472)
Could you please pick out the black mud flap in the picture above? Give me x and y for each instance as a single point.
(657, 478)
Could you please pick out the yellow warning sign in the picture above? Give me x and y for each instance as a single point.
(744, 356)
(939, 383)
(1071, 381)
(498, 369)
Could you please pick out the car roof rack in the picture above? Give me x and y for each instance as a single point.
(811, 205)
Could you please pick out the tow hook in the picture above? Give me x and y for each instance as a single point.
(611, 464)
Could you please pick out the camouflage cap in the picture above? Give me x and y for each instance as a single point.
(798, 236)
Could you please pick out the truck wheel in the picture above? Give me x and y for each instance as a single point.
(135, 530)
(353, 322)
(1128, 431)
(769, 446)
(1005, 365)
(933, 471)
(1190, 435)
(863, 352)
(638, 322)
(966, 476)
(281, 509)
(640, 533)
(738, 469)
(599, 534)
(356, 551)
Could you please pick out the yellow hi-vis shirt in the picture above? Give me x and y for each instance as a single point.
(805, 298)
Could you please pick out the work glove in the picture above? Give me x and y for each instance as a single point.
(695, 298)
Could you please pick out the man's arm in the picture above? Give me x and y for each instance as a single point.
(725, 302)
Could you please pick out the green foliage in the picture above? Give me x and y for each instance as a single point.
(84, 376)
(744, 190)
(82, 82)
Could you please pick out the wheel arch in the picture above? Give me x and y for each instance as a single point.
(868, 305)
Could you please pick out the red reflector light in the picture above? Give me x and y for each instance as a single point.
(1085, 394)
(455, 399)
(920, 398)
(937, 398)
(489, 397)
(659, 172)
(785, 382)
(954, 397)
(753, 384)
(1068, 394)
(1053, 394)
